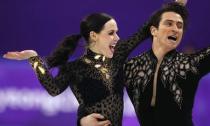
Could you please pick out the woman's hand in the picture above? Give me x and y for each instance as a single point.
(23, 55)
(93, 120)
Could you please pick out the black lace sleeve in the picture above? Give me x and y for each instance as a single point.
(133, 90)
(128, 78)
(128, 73)
(202, 60)
(54, 85)
(124, 47)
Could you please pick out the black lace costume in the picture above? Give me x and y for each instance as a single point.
(177, 81)
(95, 80)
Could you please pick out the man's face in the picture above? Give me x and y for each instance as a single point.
(169, 33)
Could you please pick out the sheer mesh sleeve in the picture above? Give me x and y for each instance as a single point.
(124, 47)
(54, 85)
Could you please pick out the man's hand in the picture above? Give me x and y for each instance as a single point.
(183, 2)
(93, 120)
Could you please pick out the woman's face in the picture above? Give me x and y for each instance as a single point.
(105, 41)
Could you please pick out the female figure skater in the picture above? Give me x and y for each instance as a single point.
(96, 77)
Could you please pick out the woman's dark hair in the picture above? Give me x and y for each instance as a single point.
(93, 22)
(169, 7)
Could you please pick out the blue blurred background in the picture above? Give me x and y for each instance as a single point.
(41, 24)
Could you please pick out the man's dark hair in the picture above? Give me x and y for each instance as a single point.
(170, 7)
